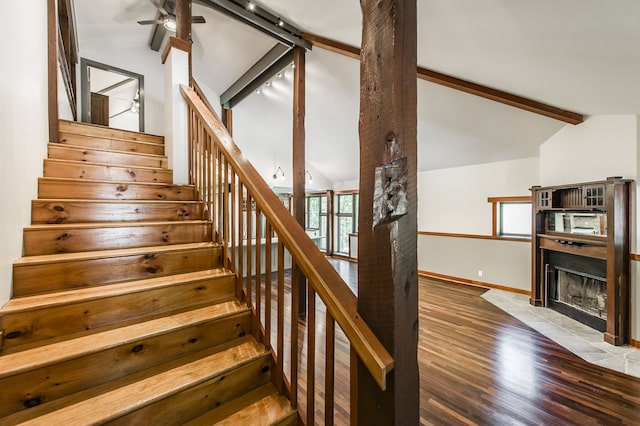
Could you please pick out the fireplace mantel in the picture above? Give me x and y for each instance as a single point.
(589, 220)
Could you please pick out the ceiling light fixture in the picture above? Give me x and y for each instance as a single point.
(257, 91)
(169, 23)
(280, 74)
(310, 177)
(251, 6)
(293, 66)
(280, 22)
(267, 83)
(278, 171)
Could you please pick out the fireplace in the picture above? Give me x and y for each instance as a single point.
(578, 288)
(580, 254)
(583, 292)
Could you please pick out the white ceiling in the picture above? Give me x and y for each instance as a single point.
(579, 55)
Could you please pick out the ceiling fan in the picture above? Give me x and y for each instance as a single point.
(167, 15)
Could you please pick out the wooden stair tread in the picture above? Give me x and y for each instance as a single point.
(48, 300)
(93, 163)
(110, 201)
(92, 225)
(111, 151)
(63, 133)
(18, 362)
(124, 400)
(263, 406)
(70, 257)
(113, 182)
(90, 129)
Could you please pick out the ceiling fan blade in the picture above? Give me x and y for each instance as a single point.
(154, 21)
(159, 4)
(159, 33)
(198, 20)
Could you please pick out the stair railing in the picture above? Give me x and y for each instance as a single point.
(261, 240)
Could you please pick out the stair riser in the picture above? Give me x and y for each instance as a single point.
(78, 212)
(113, 191)
(62, 379)
(106, 132)
(52, 241)
(34, 326)
(111, 144)
(33, 279)
(62, 152)
(82, 170)
(183, 406)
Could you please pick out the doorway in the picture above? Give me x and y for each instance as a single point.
(111, 96)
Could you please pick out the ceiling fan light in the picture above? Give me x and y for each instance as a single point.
(169, 23)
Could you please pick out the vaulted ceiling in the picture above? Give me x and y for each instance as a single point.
(579, 55)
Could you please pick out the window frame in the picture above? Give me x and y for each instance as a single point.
(338, 214)
(497, 203)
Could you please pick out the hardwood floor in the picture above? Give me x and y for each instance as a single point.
(480, 366)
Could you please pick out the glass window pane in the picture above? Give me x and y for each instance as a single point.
(345, 227)
(515, 218)
(321, 242)
(345, 203)
(323, 204)
(313, 212)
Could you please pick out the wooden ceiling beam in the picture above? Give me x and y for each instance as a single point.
(458, 83)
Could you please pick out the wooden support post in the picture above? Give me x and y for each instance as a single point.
(227, 119)
(387, 223)
(183, 25)
(299, 161)
(52, 68)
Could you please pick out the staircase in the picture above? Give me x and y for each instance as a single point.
(122, 312)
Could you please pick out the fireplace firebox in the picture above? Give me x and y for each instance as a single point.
(577, 287)
(580, 254)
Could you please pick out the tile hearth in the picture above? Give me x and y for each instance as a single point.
(583, 341)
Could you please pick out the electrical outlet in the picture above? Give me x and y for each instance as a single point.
(480, 272)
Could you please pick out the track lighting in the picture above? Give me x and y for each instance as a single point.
(280, 172)
(310, 177)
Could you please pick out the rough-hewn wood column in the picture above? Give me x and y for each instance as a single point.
(183, 26)
(299, 160)
(387, 268)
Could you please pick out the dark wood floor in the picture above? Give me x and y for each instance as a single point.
(480, 366)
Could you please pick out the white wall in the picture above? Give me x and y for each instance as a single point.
(602, 146)
(23, 126)
(455, 200)
(503, 263)
(348, 185)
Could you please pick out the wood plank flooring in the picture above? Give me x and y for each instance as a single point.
(480, 366)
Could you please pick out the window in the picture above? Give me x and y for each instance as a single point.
(346, 219)
(515, 219)
(316, 219)
(511, 217)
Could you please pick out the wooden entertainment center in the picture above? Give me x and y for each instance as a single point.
(580, 254)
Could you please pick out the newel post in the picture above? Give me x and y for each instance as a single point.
(387, 224)
(177, 71)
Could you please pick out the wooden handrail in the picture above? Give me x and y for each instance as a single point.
(340, 302)
(200, 93)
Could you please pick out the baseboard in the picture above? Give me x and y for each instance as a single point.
(634, 343)
(474, 283)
